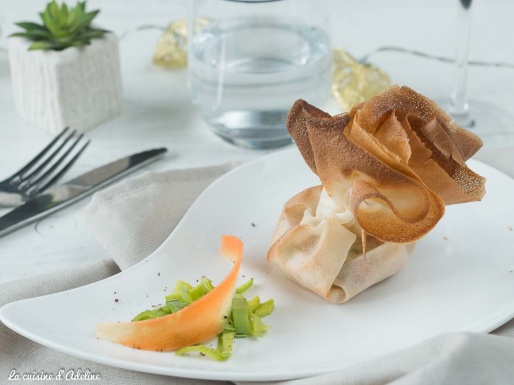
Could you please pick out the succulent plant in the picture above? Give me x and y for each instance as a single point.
(62, 27)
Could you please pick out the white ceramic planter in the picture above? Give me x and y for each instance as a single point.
(76, 87)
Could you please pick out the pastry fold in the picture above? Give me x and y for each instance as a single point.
(387, 169)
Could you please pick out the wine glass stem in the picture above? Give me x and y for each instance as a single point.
(459, 108)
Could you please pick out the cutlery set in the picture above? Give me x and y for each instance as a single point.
(29, 189)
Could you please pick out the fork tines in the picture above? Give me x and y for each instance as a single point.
(47, 167)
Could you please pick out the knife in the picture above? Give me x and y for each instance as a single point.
(75, 189)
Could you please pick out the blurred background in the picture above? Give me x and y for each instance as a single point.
(358, 26)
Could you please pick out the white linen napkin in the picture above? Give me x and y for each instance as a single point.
(132, 218)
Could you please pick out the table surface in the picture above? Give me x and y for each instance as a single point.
(157, 110)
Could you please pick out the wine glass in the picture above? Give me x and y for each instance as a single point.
(492, 123)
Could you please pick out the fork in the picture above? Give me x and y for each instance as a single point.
(41, 173)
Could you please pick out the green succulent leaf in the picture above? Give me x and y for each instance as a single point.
(62, 27)
(34, 35)
(79, 15)
(81, 42)
(32, 26)
(41, 17)
(92, 34)
(51, 24)
(64, 11)
(52, 9)
(72, 16)
(65, 40)
(86, 19)
(41, 45)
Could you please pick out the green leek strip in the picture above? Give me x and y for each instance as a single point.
(207, 283)
(184, 294)
(204, 350)
(173, 296)
(253, 304)
(257, 327)
(151, 314)
(197, 292)
(240, 315)
(229, 326)
(245, 286)
(265, 309)
(163, 310)
(226, 343)
(147, 314)
(176, 305)
(182, 284)
(201, 289)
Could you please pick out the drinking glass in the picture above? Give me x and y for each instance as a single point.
(249, 60)
(492, 123)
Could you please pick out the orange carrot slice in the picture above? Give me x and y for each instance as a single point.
(231, 247)
(198, 322)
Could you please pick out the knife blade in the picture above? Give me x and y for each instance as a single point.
(75, 189)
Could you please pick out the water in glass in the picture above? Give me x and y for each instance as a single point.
(245, 75)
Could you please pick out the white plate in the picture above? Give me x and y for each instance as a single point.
(459, 279)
